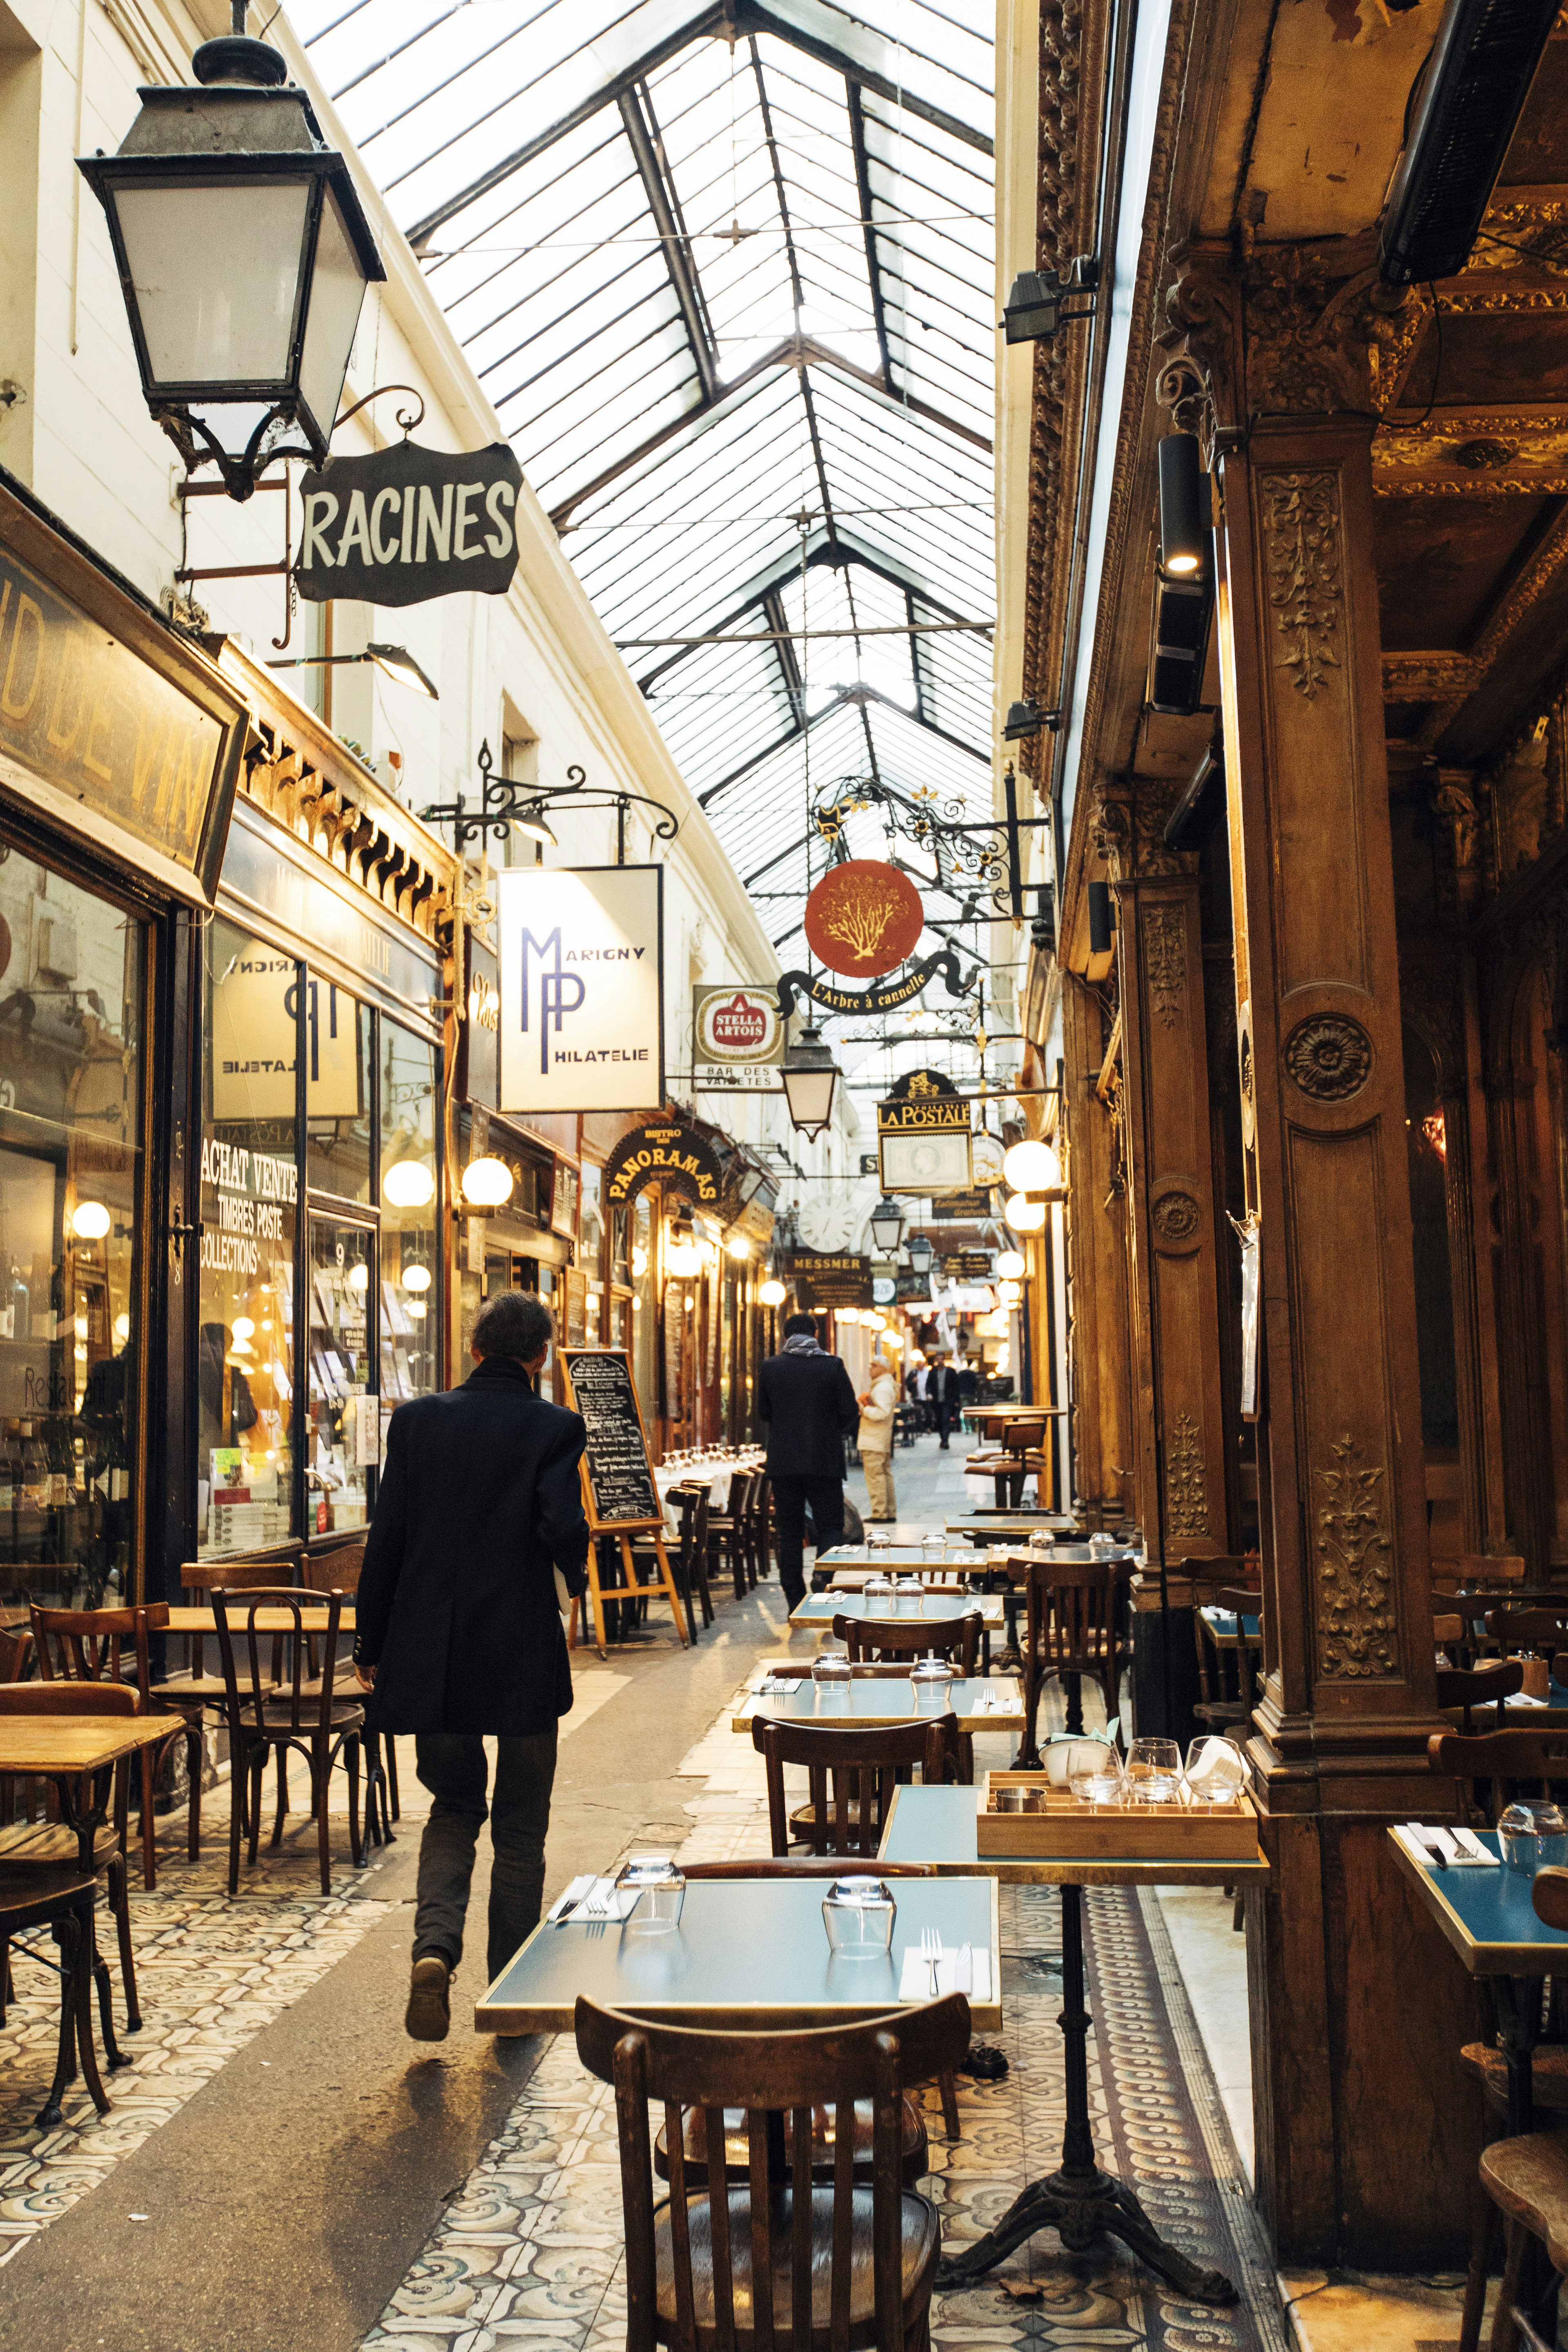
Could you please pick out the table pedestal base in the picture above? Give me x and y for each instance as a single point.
(1080, 2201)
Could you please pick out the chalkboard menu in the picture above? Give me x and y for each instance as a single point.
(618, 1476)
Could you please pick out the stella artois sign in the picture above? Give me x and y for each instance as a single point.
(732, 1026)
(864, 918)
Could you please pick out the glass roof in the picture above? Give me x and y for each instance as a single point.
(727, 275)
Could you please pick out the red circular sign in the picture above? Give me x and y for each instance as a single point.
(864, 918)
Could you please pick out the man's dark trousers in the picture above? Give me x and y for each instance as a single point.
(451, 1765)
(790, 1496)
(947, 1412)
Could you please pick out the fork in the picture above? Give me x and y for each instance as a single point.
(930, 1953)
(597, 1906)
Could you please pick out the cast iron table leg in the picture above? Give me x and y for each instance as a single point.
(1518, 2000)
(1080, 2201)
(87, 1821)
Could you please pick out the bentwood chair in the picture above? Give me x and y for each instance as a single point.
(1072, 1629)
(61, 1899)
(1489, 1685)
(338, 1570)
(900, 1643)
(916, 2143)
(1498, 1759)
(1227, 1633)
(291, 1717)
(850, 1778)
(110, 1645)
(779, 2260)
(39, 1843)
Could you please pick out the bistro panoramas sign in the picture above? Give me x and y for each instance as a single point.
(666, 1153)
(108, 722)
(407, 524)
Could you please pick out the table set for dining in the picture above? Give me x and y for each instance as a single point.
(712, 1467)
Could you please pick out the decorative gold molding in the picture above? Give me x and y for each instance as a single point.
(1301, 541)
(1162, 936)
(1356, 1623)
(1186, 1483)
(1417, 677)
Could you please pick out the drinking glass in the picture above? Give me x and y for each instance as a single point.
(858, 1916)
(1153, 1771)
(1216, 1771)
(933, 1680)
(831, 1678)
(1099, 1543)
(661, 1885)
(909, 1596)
(932, 1547)
(1533, 1835)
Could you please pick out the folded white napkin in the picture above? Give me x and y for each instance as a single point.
(780, 1686)
(1455, 1845)
(966, 1970)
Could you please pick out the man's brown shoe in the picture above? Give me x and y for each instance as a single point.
(429, 2003)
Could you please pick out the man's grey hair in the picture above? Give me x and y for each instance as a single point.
(513, 1323)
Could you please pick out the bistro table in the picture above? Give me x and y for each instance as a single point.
(1489, 1918)
(818, 1609)
(989, 1526)
(875, 1700)
(863, 1560)
(72, 1750)
(750, 1955)
(312, 1620)
(938, 1826)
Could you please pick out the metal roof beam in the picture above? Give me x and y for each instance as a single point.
(752, 18)
(863, 188)
(647, 154)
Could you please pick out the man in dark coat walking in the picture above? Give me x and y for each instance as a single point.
(460, 1629)
(808, 1401)
(944, 1389)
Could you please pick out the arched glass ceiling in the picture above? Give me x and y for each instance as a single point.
(727, 276)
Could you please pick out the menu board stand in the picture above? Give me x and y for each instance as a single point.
(618, 1491)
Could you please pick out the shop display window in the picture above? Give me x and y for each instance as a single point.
(71, 1021)
(591, 1259)
(410, 1257)
(338, 1090)
(345, 1413)
(249, 1205)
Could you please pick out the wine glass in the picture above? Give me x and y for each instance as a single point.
(1216, 1771)
(1153, 1771)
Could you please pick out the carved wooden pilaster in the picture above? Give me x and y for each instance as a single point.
(1100, 1335)
(1179, 1421)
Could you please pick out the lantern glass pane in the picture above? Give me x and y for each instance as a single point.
(217, 273)
(337, 291)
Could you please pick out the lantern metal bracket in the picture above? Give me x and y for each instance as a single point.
(505, 801)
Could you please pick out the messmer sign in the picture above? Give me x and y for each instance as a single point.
(582, 993)
(406, 524)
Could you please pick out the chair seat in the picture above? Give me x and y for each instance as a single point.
(52, 1845)
(277, 1715)
(190, 1691)
(916, 2154)
(921, 2242)
(1527, 2180)
(1548, 2074)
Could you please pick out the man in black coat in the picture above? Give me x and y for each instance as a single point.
(946, 1391)
(460, 1629)
(808, 1401)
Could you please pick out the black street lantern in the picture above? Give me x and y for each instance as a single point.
(887, 1227)
(810, 1077)
(243, 254)
(922, 1253)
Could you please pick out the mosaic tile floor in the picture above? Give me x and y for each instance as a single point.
(530, 2253)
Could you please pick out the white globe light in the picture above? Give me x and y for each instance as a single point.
(738, 1245)
(487, 1183)
(359, 1277)
(1009, 1293)
(416, 1277)
(639, 1258)
(683, 1259)
(91, 1221)
(849, 1314)
(1024, 1216)
(1032, 1168)
(1011, 1265)
(415, 1309)
(409, 1186)
(772, 1292)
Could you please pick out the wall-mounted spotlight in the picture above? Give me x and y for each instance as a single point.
(1184, 520)
(1026, 719)
(1035, 308)
(392, 661)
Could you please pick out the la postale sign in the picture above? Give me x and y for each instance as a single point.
(405, 525)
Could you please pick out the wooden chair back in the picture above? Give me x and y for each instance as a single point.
(1499, 1757)
(956, 1639)
(713, 2232)
(691, 1517)
(17, 1659)
(254, 1701)
(1543, 1628)
(1072, 1612)
(89, 1645)
(1548, 1893)
(798, 1866)
(240, 1575)
(69, 1698)
(1478, 1568)
(337, 1570)
(1483, 1686)
(857, 1770)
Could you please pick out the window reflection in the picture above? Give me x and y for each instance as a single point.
(70, 1137)
(345, 1415)
(410, 1259)
(337, 1090)
(245, 1354)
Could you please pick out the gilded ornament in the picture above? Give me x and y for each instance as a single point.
(1301, 528)
(1186, 1486)
(1174, 1217)
(1329, 1057)
(1164, 936)
(1355, 1622)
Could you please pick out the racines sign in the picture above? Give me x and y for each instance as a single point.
(407, 524)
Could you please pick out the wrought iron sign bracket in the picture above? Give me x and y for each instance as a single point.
(505, 802)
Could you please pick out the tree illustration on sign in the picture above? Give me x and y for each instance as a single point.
(863, 917)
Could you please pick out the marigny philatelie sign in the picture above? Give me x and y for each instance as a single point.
(407, 524)
(581, 990)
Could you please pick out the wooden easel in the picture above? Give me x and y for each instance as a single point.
(622, 1529)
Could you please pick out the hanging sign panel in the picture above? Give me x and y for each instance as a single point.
(581, 988)
(670, 1154)
(822, 1278)
(733, 1026)
(924, 1143)
(864, 918)
(885, 996)
(407, 524)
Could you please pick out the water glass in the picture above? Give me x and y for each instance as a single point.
(661, 1885)
(831, 1678)
(1153, 1771)
(933, 1549)
(1216, 1772)
(933, 1680)
(1063, 1758)
(858, 1916)
(1532, 1836)
(878, 1591)
(1097, 1779)
(1101, 1545)
(909, 1596)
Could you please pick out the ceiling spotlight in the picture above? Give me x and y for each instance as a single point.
(1183, 506)
(530, 822)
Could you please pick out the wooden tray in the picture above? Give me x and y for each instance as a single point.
(1166, 1833)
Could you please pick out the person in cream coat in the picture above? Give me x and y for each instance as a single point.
(879, 1402)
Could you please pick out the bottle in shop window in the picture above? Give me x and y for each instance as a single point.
(35, 1476)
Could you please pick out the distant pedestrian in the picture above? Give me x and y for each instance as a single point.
(878, 1403)
(459, 1634)
(806, 1400)
(945, 1394)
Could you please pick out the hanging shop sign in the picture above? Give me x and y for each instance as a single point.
(663, 1152)
(886, 997)
(917, 1085)
(732, 1026)
(255, 1034)
(478, 1078)
(884, 1289)
(582, 988)
(109, 725)
(968, 1265)
(407, 524)
(961, 1207)
(823, 1278)
(985, 1155)
(924, 1143)
(864, 918)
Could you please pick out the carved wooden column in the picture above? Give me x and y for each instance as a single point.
(1178, 1415)
(1365, 2127)
(1098, 1331)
